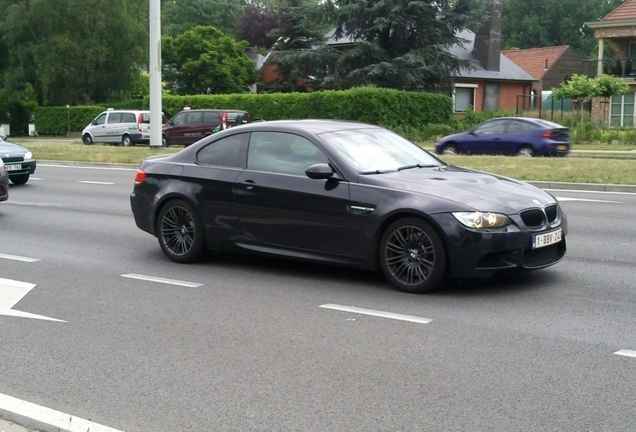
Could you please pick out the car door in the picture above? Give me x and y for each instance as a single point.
(280, 207)
(218, 164)
(113, 127)
(519, 132)
(486, 137)
(194, 127)
(175, 128)
(98, 128)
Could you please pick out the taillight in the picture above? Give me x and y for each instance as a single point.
(140, 120)
(548, 134)
(140, 177)
(224, 121)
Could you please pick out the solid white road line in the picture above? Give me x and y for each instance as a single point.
(18, 258)
(377, 313)
(626, 353)
(57, 419)
(96, 182)
(162, 280)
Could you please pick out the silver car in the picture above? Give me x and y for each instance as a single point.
(126, 127)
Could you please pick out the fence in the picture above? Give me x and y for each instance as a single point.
(548, 108)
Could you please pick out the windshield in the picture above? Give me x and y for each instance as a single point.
(378, 150)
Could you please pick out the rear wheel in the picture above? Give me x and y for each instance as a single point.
(164, 141)
(19, 179)
(525, 151)
(86, 139)
(180, 232)
(126, 141)
(450, 149)
(412, 256)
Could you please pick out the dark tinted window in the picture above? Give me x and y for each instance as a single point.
(128, 118)
(178, 119)
(282, 153)
(494, 127)
(114, 118)
(194, 117)
(211, 117)
(226, 152)
(516, 126)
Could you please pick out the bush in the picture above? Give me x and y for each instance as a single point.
(56, 120)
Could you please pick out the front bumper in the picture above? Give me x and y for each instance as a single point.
(4, 189)
(26, 167)
(480, 254)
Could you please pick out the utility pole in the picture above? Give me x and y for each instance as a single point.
(156, 118)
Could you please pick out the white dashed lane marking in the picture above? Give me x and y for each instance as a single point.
(162, 280)
(626, 353)
(18, 258)
(96, 182)
(56, 419)
(377, 313)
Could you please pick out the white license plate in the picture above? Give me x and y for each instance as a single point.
(14, 167)
(547, 239)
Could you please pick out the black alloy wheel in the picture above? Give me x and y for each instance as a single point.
(86, 139)
(412, 256)
(19, 179)
(180, 232)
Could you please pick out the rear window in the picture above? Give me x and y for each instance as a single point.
(550, 124)
(238, 117)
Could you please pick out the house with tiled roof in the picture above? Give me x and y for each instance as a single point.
(492, 82)
(618, 30)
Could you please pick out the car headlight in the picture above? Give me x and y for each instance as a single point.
(28, 155)
(481, 220)
(1, 163)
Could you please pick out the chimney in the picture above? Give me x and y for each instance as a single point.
(488, 37)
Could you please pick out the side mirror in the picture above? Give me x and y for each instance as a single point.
(321, 171)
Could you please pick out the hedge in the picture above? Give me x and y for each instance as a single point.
(390, 108)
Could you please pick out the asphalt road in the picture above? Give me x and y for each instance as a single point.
(241, 344)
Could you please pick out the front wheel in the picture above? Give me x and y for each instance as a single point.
(19, 179)
(164, 141)
(180, 232)
(412, 256)
(86, 139)
(450, 149)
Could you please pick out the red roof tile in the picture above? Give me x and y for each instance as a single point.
(536, 61)
(624, 12)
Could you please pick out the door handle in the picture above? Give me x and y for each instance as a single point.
(248, 184)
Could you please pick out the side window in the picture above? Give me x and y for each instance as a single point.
(101, 119)
(211, 117)
(179, 118)
(490, 128)
(194, 117)
(282, 153)
(114, 118)
(516, 126)
(227, 152)
(128, 118)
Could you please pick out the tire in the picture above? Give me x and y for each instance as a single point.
(126, 141)
(19, 179)
(86, 139)
(412, 256)
(450, 149)
(180, 232)
(525, 151)
(164, 141)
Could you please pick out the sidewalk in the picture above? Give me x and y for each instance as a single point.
(6, 426)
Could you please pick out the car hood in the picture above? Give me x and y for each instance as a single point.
(474, 189)
(8, 148)
(458, 136)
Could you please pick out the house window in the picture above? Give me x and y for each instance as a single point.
(464, 96)
(622, 110)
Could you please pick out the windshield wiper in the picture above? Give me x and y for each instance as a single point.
(405, 167)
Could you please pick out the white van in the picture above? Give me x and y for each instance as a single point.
(127, 127)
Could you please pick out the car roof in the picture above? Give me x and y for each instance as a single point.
(537, 121)
(316, 126)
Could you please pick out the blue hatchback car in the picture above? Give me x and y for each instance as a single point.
(522, 136)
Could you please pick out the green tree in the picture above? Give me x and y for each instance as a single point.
(581, 87)
(541, 23)
(179, 16)
(73, 51)
(399, 44)
(203, 59)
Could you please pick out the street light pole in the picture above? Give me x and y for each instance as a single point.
(155, 73)
(68, 120)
